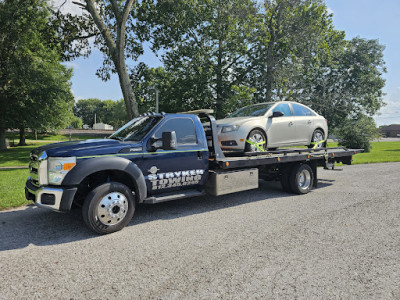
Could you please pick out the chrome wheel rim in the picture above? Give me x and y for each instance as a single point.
(256, 138)
(304, 179)
(112, 209)
(318, 137)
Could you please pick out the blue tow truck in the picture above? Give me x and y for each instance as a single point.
(156, 158)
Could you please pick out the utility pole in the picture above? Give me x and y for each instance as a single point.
(157, 91)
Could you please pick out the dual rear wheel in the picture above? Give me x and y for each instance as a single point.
(299, 179)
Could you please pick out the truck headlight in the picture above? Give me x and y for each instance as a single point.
(58, 167)
(230, 128)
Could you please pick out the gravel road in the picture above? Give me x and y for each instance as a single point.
(341, 241)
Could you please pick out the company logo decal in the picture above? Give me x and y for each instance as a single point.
(173, 179)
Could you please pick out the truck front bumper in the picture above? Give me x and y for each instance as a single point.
(54, 198)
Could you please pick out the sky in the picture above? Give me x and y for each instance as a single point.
(368, 19)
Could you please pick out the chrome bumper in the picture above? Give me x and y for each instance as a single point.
(59, 199)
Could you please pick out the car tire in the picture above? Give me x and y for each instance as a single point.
(301, 179)
(318, 136)
(108, 208)
(255, 136)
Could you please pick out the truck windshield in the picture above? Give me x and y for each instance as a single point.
(252, 110)
(136, 129)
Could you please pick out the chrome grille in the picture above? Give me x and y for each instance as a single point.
(38, 167)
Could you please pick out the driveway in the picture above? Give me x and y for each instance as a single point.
(342, 240)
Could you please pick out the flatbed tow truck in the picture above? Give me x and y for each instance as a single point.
(161, 157)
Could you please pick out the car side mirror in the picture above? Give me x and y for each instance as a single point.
(168, 141)
(276, 114)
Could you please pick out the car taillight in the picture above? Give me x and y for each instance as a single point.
(326, 120)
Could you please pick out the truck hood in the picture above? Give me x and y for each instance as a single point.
(89, 148)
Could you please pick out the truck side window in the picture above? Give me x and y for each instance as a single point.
(184, 128)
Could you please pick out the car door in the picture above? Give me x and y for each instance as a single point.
(180, 169)
(303, 123)
(281, 131)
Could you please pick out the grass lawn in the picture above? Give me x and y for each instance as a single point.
(51, 137)
(380, 152)
(12, 188)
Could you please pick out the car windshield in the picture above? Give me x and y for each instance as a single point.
(136, 129)
(252, 110)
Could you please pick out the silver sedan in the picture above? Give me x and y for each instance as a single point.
(270, 125)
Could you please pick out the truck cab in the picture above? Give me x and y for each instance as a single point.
(150, 159)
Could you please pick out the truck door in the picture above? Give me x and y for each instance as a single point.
(184, 168)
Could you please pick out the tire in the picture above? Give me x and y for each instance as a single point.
(301, 179)
(318, 136)
(108, 208)
(256, 136)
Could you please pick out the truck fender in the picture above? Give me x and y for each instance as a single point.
(93, 165)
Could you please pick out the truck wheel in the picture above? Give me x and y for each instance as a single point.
(301, 179)
(109, 207)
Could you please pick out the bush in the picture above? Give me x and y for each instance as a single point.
(357, 133)
(76, 122)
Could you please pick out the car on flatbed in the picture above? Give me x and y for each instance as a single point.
(270, 125)
(156, 158)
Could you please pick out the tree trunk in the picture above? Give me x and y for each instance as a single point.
(127, 91)
(22, 141)
(219, 88)
(3, 144)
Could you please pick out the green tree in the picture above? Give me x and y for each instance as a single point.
(112, 25)
(108, 111)
(34, 86)
(76, 122)
(207, 45)
(88, 110)
(357, 132)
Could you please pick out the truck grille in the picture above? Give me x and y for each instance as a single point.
(35, 164)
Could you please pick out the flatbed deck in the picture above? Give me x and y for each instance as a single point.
(323, 156)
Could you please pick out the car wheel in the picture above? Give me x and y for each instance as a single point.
(317, 138)
(109, 207)
(258, 141)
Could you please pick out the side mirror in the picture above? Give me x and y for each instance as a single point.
(169, 140)
(276, 114)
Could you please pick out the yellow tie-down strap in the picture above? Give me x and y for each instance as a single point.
(257, 145)
(316, 144)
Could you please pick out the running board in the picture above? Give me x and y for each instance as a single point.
(173, 196)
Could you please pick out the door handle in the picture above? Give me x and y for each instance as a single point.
(200, 154)
(309, 122)
(290, 123)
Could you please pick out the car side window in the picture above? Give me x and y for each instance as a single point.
(283, 108)
(184, 129)
(300, 110)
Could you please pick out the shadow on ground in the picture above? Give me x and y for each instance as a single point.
(40, 227)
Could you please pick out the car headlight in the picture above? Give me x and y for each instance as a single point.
(230, 128)
(58, 167)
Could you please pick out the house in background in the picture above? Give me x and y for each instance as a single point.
(102, 126)
(391, 130)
